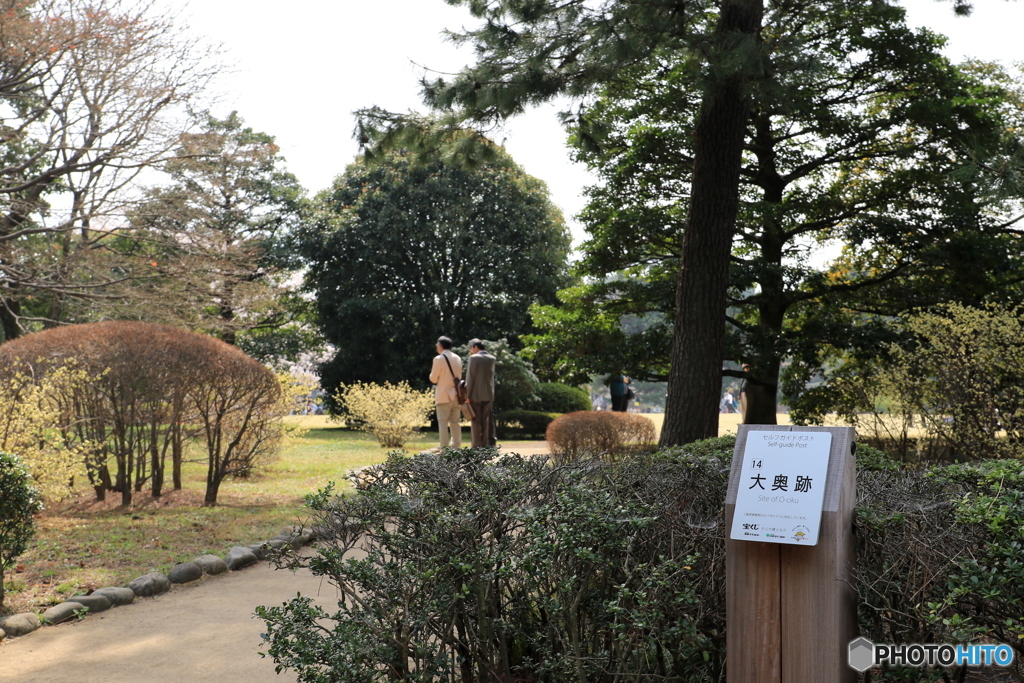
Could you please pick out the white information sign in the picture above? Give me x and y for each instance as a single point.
(782, 487)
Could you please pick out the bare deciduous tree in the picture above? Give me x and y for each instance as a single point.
(92, 92)
(238, 406)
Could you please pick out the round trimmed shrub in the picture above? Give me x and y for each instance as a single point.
(561, 398)
(590, 433)
(159, 389)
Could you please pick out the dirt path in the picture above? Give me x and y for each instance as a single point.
(201, 632)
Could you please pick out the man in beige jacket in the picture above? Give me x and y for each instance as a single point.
(444, 373)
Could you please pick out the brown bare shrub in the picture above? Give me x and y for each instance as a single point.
(589, 433)
(159, 388)
(637, 431)
(238, 404)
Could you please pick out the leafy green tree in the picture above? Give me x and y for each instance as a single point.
(212, 240)
(529, 51)
(858, 151)
(601, 327)
(18, 502)
(957, 379)
(1000, 172)
(399, 254)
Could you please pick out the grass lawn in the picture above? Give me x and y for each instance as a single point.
(728, 423)
(81, 544)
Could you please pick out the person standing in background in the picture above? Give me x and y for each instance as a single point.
(617, 386)
(728, 402)
(445, 372)
(480, 390)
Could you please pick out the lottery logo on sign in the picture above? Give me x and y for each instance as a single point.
(782, 487)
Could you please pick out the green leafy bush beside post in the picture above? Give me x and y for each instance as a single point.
(875, 459)
(717, 450)
(478, 570)
(940, 558)
(519, 569)
(986, 592)
(19, 500)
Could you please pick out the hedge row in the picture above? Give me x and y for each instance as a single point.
(528, 423)
(511, 569)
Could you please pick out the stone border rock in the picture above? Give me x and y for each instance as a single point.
(155, 583)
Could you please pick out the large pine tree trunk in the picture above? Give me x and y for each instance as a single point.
(762, 392)
(695, 377)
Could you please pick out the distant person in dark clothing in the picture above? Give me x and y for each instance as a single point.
(618, 386)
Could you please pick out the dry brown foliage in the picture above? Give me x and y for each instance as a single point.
(158, 389)
(599, 433)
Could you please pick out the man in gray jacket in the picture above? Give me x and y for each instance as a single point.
(480, 390)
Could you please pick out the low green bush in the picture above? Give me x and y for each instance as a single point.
(391, 412)
(562, 398)
(875, 459)
(718, 449)
(524, 422)
(940, 558)
(19, 500)
(484, 570)
(480, 569)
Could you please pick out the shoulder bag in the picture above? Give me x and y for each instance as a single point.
(460, 385)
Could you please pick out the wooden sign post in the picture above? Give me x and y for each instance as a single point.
(790, 606)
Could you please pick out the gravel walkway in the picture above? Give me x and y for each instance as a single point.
(198, 632)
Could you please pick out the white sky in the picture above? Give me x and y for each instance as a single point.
(299, 71)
